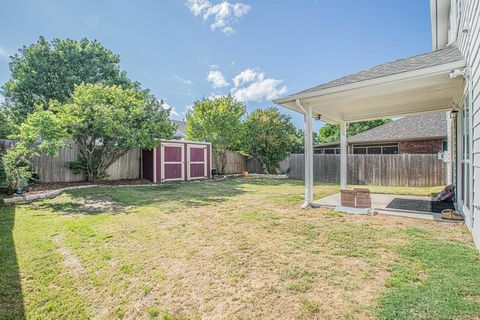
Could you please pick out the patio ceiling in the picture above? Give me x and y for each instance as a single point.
(419, 84)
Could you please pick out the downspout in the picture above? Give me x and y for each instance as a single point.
(452, 148)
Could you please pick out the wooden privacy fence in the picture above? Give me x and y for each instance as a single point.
(237, 163)
(55, 169)
(407, 170)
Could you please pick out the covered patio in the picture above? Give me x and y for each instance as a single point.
(427, 208)
(426, 83)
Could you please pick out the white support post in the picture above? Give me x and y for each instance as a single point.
(343, 155)
(308, 155)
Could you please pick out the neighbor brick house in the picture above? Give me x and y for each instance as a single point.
(425, 134)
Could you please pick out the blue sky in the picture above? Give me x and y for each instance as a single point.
(184, 50)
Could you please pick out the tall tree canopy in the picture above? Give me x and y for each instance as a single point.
(107, 121)
(299, 141)
(218, 121)
(331, 132)
(269, 136)
(7, 122)
(41, 132)
(46, 71)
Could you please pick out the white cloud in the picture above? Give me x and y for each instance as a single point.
(222, 14)
(256, 87)
(217, 79)
(4, 53)
(198, 6)
(173, 112)
(214, 96)
(247, 75)
(183, 80)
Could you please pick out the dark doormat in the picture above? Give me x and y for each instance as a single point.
(420, 205)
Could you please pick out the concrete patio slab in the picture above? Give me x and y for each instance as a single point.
(380, 203)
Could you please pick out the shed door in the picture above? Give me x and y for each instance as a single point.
(196, 161)
(173, 162)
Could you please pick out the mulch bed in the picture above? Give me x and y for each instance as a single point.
(420, 205)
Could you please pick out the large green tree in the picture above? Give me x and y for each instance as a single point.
(299, 141)
(42, 132)
(218, 121)
(269, 136)
(331, 133)
(107, 121)
(7, 122)
(45, 71)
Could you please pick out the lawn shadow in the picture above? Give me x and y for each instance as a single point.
(88, 205)
(11, 297)
(100, 200)
(191, 194)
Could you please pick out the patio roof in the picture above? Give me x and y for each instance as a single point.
(418, 84)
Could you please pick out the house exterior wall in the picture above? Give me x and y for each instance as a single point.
(420, 146)
(465, 32)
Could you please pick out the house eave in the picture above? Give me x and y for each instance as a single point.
(372, 82)
(424, 90)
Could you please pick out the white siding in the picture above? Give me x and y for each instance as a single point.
(469, 43)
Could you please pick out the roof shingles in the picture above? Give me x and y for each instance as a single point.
(421, 61)
(418, 127)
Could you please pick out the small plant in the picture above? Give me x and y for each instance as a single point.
(120, 313)
(153, 312)
(333, 214)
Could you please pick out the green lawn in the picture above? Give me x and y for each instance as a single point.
(235, 249)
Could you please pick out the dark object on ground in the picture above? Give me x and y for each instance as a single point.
(362, 198)
(447, 193)
(420, 205)
(450, 214)
(214, 172)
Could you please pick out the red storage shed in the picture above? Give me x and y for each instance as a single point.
(177, 161)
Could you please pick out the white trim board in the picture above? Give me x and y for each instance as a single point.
(163, 163)
(204, 162)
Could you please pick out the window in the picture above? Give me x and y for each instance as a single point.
(359, 150)
(390, 150)
(376, 149)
